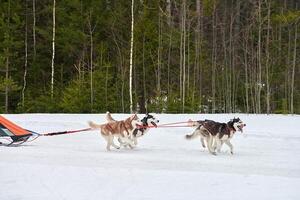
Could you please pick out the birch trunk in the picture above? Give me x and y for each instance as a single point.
(268, 60)
(7, 64)
(91, 62)
(144, 77)
(259, 80)
(246, 70)
(159, 49)
(131, 56)
(33, 29)
(6, 77)
(183, 53)
(213, 60)
(26, 60)
(169, 18)
(53, 51)
(293, 70)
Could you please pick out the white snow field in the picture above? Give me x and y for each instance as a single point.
(164, 165)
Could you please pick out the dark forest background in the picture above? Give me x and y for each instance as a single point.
(215, 56)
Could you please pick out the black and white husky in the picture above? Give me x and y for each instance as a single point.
(216, 133)
(141, 130)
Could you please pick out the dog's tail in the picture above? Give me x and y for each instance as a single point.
(109, 117)
(93, 125)
(192, 136)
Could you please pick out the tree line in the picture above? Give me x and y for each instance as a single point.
(173, 56)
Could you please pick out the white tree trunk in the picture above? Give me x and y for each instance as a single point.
(169, 14)
(25, 64)
(6, 77)
(131, 57)
(213, 60)
(293, 70)
(182, 54)
(268, 95)
(33, 29)
(53, 51)
(7, 65)
(259, 83)
(91, 62)
(159, 49)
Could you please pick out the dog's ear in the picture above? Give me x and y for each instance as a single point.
(133, 116)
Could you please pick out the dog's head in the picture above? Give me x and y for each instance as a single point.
(238, 124)
(150, 119)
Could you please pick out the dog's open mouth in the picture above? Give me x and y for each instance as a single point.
(154, 124)
(240, 127)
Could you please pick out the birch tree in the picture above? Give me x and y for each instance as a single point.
(91, 30)
(26, 58)
(53, 51)
(268, 60)
(131, 56)
(33, 29)
(259, 79)
(293, 69)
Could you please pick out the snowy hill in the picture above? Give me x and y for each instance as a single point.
(266, 163)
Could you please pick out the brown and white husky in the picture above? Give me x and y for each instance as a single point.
(119, 129)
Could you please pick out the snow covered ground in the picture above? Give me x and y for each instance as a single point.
(266, 163)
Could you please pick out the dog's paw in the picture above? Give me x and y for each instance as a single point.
(213, 153)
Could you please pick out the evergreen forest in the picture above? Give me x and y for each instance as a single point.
(163, 56)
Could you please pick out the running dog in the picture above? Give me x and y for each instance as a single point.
(119, 129)
(141, 129)
(215, 133)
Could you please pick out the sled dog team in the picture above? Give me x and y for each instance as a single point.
(212, 134)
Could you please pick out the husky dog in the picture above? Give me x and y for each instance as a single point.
(141, 128)
(120, 129)
(215, 133)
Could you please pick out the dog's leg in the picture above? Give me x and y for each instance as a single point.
(202, 142)
(230, 145)
(214, 144)
(218, 144)
(127, 142)
(135, 141)
(109, 142)
(113, 144)
(122, 143)
(107, 138)
(209, 145)
(221, 144)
